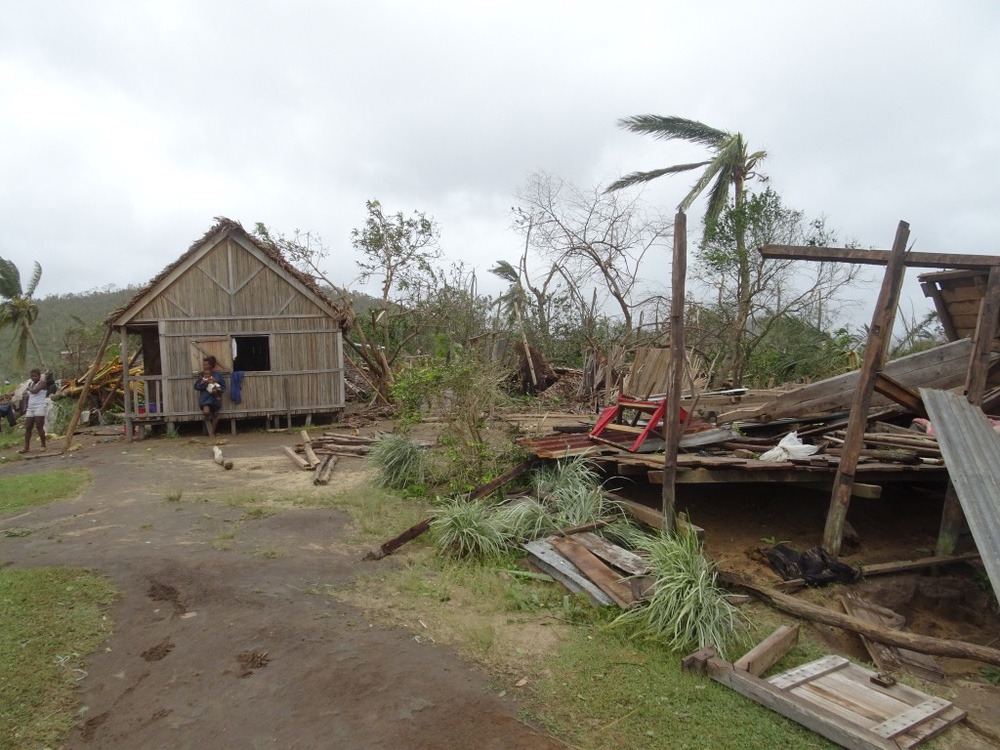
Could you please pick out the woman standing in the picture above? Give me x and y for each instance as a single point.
(211, 385)
(34, 415)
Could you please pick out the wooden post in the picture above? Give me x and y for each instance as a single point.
(671, 419)
(952, 517)
(879, 337)
(126, 388)
(74, 420)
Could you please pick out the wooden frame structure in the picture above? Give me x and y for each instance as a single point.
(238, 299)
(896, 261)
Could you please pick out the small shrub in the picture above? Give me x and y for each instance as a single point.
(468, 529)
(523, 519)
(687, 609)
(400, 463)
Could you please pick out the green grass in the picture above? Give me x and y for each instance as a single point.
(50, 618)
(11, 438)
(27, 490)
(605, 693)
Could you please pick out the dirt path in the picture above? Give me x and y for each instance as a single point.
(239, 647)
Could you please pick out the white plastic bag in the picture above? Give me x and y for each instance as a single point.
(789, 447)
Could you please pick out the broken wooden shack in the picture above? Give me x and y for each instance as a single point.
(857, 421)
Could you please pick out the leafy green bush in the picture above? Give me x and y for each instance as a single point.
(686, 609)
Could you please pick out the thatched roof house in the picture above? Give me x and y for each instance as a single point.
(237, 299)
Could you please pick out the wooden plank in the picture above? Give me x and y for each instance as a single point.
(543, 553)
(880, 257)
(945, 366)
(769, 651)
(922, 643)
(879, 338)
(808, 672)
(909, 719)
(907, 566)
(607, 580)
(651, 516)
(612, 554)
(819, 720)
(890, 658)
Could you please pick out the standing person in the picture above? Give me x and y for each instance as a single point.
(34, 415)
(211, 385)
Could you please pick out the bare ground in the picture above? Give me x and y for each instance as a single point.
(221, 636)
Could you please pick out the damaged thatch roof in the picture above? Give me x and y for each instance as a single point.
(222, 228)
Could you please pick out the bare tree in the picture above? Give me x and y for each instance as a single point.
(751, 294)
(595, 241)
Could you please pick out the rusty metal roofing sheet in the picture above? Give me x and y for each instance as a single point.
(971, 450)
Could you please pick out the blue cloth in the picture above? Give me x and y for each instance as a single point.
(236, 391)
(204, 397)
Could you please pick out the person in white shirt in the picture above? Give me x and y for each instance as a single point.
(34, 415)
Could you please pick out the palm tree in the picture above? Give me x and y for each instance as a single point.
(731, 164)
(17, 309)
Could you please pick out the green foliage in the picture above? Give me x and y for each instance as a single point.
(466, 394)
(27, 490)
(687, 609)
(17, 308)
(565, 478)
(50, 620)
(66, 323)
(469, 530)
(399, 462)
(794, 349)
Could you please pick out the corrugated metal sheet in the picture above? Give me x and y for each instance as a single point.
(971, 450)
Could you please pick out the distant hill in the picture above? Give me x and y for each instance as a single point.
(58, 331)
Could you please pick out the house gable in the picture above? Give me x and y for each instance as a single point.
(227, 275)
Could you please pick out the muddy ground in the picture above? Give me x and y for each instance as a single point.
(223, 637)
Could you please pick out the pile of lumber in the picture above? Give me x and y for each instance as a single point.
(320, 454)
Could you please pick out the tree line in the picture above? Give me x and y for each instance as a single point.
(591, 276)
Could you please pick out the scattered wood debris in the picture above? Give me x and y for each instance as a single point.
(841, 701)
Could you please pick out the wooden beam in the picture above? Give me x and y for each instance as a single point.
(85, 391)
(906, 397)
(671, 423)
(769, 651)
(924, 644)
(879, 257)
(952, 517)
(880, 335)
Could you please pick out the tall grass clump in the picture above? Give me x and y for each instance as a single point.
(687, 609)
(566, 478)
(399, 462)
(469, 530)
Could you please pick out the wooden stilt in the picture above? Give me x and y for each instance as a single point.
(671, 424)
(880, 334)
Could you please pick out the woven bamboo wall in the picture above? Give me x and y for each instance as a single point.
(234, 290)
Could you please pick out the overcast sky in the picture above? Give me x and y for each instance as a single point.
(125, 127)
